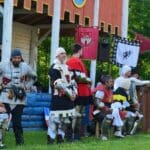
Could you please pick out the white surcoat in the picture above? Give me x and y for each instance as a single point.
(10, 76)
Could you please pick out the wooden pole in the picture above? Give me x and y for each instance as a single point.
(7, 29)
(125, 13)
(33, 48)
(95, 23)
(55, 29)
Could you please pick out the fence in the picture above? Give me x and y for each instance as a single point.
(145, 101)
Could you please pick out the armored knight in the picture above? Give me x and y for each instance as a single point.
(103, 99)
(15, 78)
(64, 92)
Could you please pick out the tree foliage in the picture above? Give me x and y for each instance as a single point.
(139, 22)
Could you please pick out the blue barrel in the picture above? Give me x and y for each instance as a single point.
(33, 117)
(33, 114)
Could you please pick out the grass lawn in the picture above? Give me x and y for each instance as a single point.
(37, 141)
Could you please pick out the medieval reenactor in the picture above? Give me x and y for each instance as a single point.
(102, 101)
(4, 122)
(64, 92)
(125, 72)
(122, 101)
(135, 102)
(84, 91)
(16, 77)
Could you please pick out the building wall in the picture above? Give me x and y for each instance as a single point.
(110, 12)
(22, 39)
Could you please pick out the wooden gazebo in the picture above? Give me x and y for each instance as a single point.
(32, 21)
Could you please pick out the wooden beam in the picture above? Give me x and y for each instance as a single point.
(22, 18)
(22, 12)
(44, 37)
(35, 20)
(33, 48)
(62, 26)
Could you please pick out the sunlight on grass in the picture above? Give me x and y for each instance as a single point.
(37, 141)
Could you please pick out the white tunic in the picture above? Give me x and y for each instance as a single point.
(22, 76)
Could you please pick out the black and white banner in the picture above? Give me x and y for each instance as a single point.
(126, 52)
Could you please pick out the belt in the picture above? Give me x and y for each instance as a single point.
(2, 112)
(6, 89)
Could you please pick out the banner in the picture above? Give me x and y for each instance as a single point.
(126, 52)
(144, 43)
(87, 37)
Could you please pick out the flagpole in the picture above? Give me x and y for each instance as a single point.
(125, 13)
(55, 31)
(95, 23)
(124, 21)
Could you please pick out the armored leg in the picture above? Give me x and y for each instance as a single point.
(118, 132)
(136, 123)
(105, 126)
(69, 131)
(52, 132)
(77, 123)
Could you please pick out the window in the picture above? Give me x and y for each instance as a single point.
(109, 28)
(66, 16)
(102, 27)
(86, 21)
(77, 17)
(116, 30)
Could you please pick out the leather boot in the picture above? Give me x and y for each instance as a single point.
(59, 139)
(19, 138)
(50, 140)
(68, 134)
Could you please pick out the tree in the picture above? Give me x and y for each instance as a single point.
(139, 22)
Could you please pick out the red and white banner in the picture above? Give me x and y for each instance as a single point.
(87, 37)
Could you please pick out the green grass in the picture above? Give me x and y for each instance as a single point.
(37, 141)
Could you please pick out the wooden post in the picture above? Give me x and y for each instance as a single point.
(124, 21)
(7, 29)
(145, 108)
(33, 48)
(55, 29)
(95, 23)
(125, 12)
(97, 128)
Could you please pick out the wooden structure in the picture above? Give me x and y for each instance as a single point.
(109, 14)
(32, 21)
(145, 101)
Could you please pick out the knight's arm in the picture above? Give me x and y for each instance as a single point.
(99, 95)
(31, 77)
(139, 82)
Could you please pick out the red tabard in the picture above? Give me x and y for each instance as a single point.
(107, 93)
(76, 64)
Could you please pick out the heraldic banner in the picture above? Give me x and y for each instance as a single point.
(87, 37)
(126, 52)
